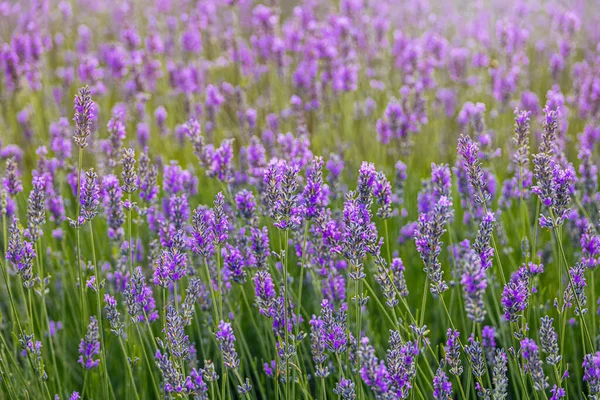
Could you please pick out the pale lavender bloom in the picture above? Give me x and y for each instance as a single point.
(428, 240)
(36, 209)
(382, 191)
(482, 242)
(90, 195)
(112, 315)
(532, 363)
(469, 151)
(112, 196)
(452, 350)
(500, 378)
(474, 351)
(11, 182)
(575, 291)
(128, 174)
(84, 116)
(474, 283)
(549, 341)
(345, 389)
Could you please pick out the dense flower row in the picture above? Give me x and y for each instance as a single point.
(165, 237)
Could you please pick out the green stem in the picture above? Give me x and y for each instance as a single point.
(107, 382)
(129, 371)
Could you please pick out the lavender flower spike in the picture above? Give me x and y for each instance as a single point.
(591, 373)
(90, 346)
(84, 115)
(90, 195)
(429, 245)
(474, 284)
(226, 340)
(469, 151)
(532, 363)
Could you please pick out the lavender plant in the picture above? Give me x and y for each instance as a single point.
(235, 199)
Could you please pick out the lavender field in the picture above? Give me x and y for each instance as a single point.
(301, 199)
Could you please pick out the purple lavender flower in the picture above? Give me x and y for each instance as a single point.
(401, 363)
(428, 240)
(12, 183)
(515, 295)
(178, 211)
(549, 341)
(195, 292)
(226, 340)
(518, 186)
(319, 347)
(452, 350)
(575, 291)
(139, 302)
(260, 247)
(532, 363)
(345, 389)
(90, 346)
(264, 291)
(394, 124)
(382, 190)
(469, 151)
(36, 209)
(474, 283)
(90, 195)
(21, 254)
(112, 315)
(315, 192)
(488, 340)
(588, 183)
(442, 387)
(557, 393)
(147, 177)
(203, 234)
(591, 372)
(193, 131)
(246, 206)
(590, 247)
(366, 181)
(195, 384)
(128, 174)
(116, 136)
(84, 115)
(33, 349)
(359, 235)
(482, 242)
(399, 182)
(475, 353)
(335, 167)
(391, 280)
(553, 181)
(281, 181)
(112, 195)
(373, 371)
(173, 379)
(219, 222)
(176, 339)
(335, 327)
(233, 260)
(172, 264)
(500, 379)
